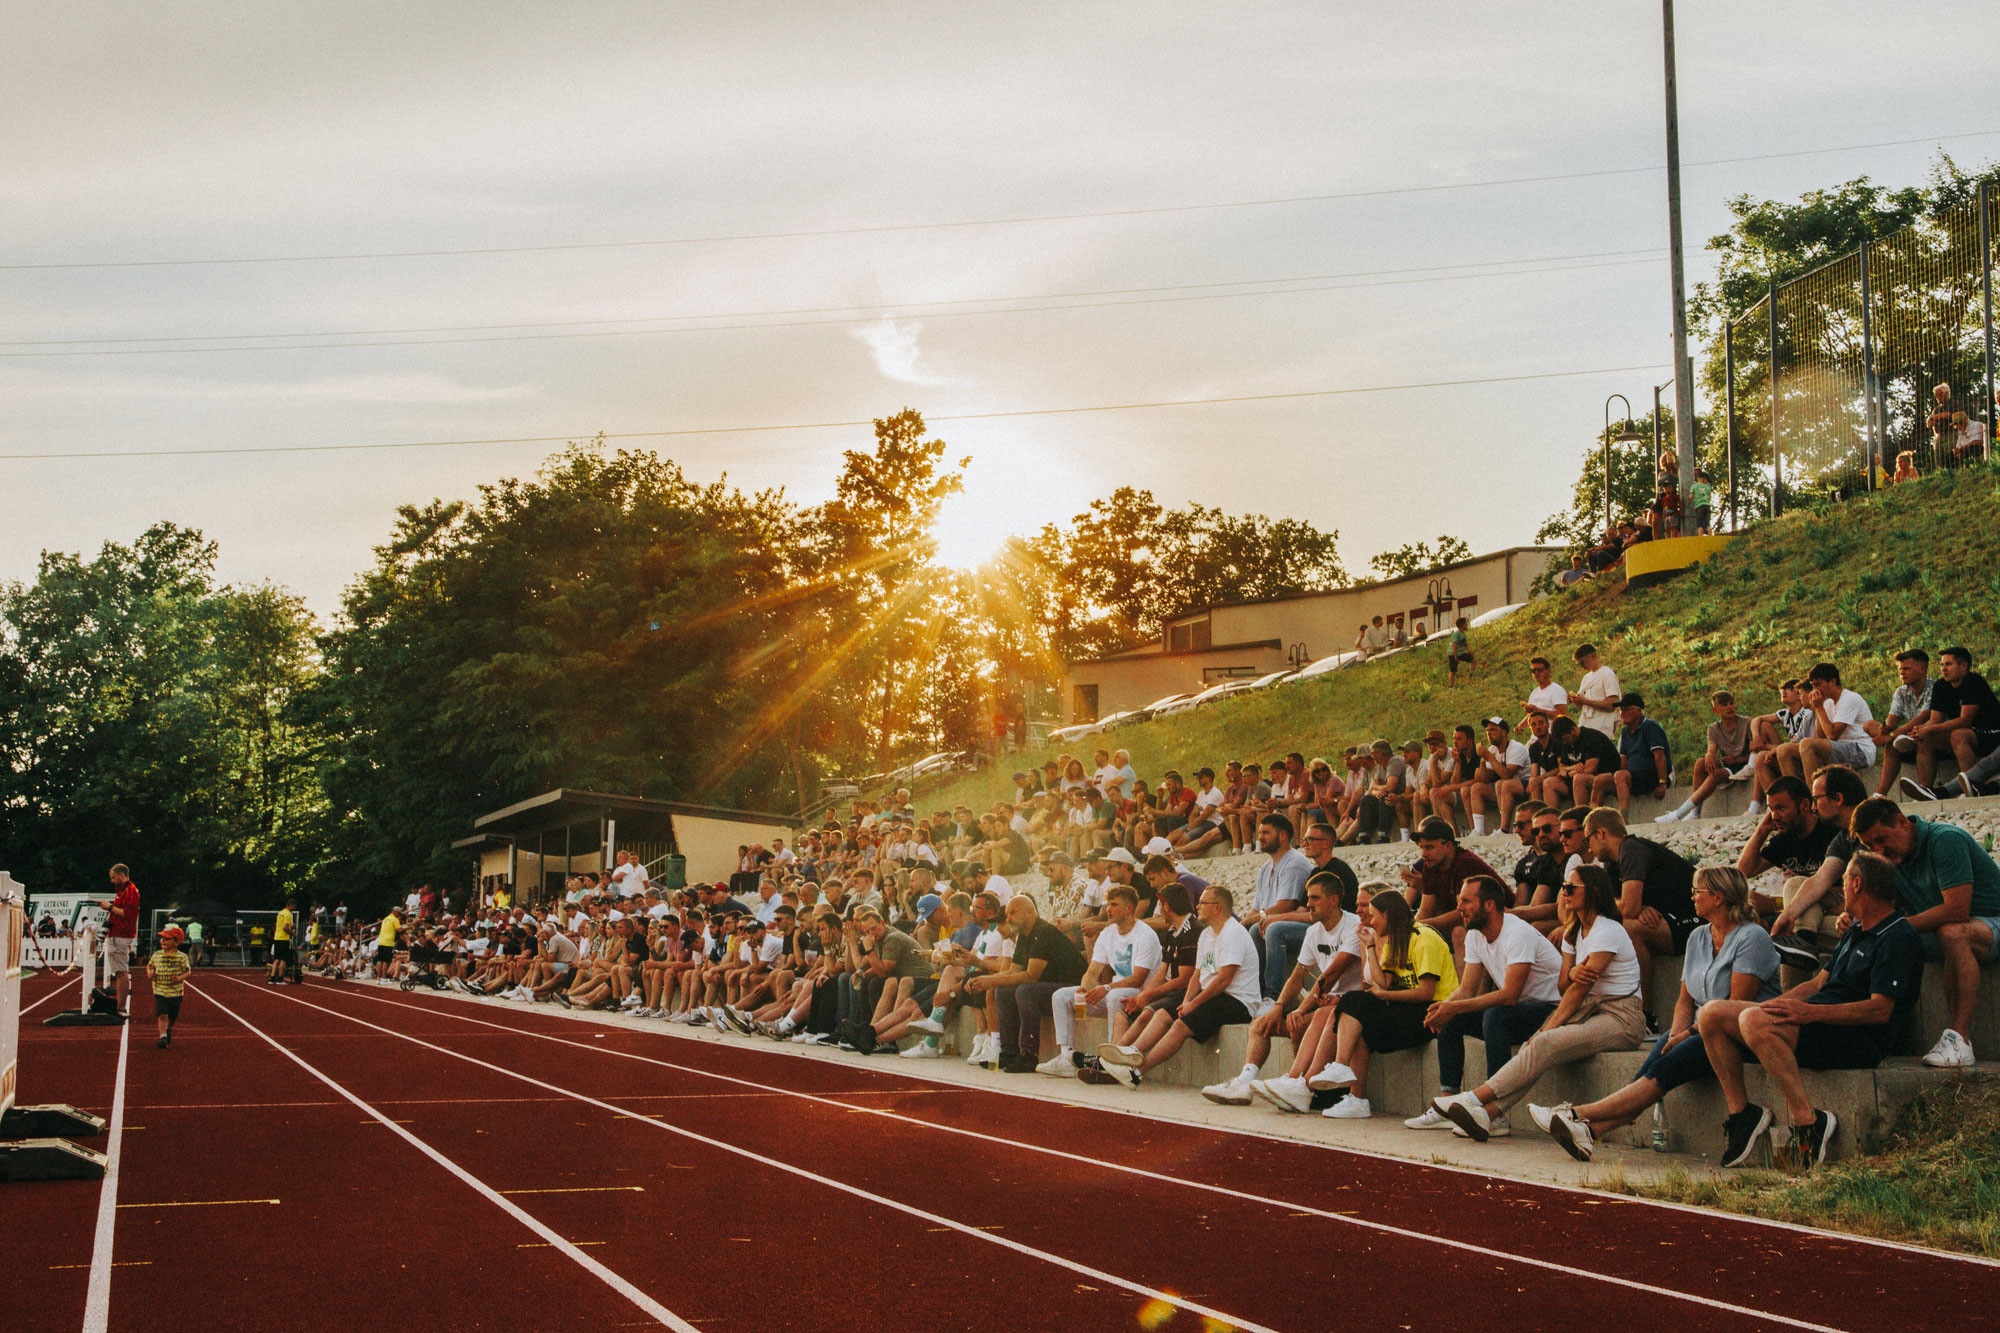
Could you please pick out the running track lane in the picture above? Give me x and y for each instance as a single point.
(1247, 1166)
(357, 1216)
(714, 1233)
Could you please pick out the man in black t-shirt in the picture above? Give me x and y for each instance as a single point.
(1582, 755)
(1045, 960)
(1964, 723)
(1655, 892)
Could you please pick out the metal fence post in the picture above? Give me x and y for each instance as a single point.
(1986, 293)
(1729, 412)
(1777, 446)
(1867, 374)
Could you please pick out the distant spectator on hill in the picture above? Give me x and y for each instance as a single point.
(1946, 412)
(1950, 887)
(1655, 894)
(1701, 497)
(1906, 468)
(1894, 736)
(1548, 699)
(1597, 694)
(1397, 638)
(1431, 886)
(1972, 443)
(1645, 765)
(1728, 753)
(1843, 1018)
(1375, 638)
(1459, 652)
(1964, 722)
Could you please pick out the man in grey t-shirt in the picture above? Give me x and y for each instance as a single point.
(1375, 813)
(1277, 917)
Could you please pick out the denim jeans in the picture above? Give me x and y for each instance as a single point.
(1502, 1027)
(1282, 942)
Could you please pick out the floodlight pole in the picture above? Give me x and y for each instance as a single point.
(1683, 378)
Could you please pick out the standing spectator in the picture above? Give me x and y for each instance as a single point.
(1839, 734)
(1732, 959)
(1950, 888)
(1502, 776)
(1600, 1010)
(1222, 993)
(1374, 638)
(1431, 885)
(1843, 1018)
(121, 934)
(1508, 987)
(1908, 707)
(1459, 652)
(1278, 908)
(1548, 700)
(1701, 497)
(1044, 962)
(1655, 892)
(1644, 763)
(1964, 722)
(1597, 694)
(1943, 420)
(1728, 751)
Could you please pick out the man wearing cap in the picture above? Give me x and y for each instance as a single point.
(1442, 867)
(1503, 766)
(1204, 828)
(1125, 954)
(1644, 764)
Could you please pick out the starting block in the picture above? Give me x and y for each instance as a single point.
(26, 1122)
(50, 1159)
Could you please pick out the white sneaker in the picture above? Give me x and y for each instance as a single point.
(1129, 1056)
(1571, 1133)
(1951, 1052)
(1544, 1116)
(978, 1055)
(1335, 1075)
(1755, 810)
(923, 1050)
(930, 1025)
(1234, 1092)
(1465, 1112)
(1349, 1108)
(1430, 1119)
(1058, 1065)
(1745, 773)
(1670, 817)
(1287, 1094)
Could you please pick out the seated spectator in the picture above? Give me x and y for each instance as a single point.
(1176, 801)
(1894, 736)
(1655, 894)
(1501, 779)
(1792, 837)
(1375, 810)
(1277, 912)
(1726, 760)
(1964, 723)
(1542, 761)
(1254, 804)
(1798, 929)
(1318, 846)
(1405, 966)
(1431, 886)
(1538, 875)
(1906, 468)
(1324, 796)
(1222, 993)
(1044, 962)
(975, 947)
(1328, 967)
(1644, 763)
(1790, 723)
(1431, 773)
(1843, 1018)
(1126, 954)
(1733, 959)
(1582, 755)
(1235, 791)
(1950, 888)
(1839, 731)
(1453, 775)
(1600, 1010)
(1508, 987)
(1204, 828)
(1413, 800)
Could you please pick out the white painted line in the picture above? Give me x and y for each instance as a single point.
(60, 990)
(97, 1305)
(660, 1313)
(1384, 1227)
(1138, 1288)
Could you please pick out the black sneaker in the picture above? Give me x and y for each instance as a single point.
(1912, 787)
(1810, 1142)
(1091, 1070)
(162, 1042)
(1800, 949)
(1322, 1100)
(562, 998)
(1742, 1131)
(1018, 1063)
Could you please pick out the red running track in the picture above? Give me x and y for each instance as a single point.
(738, 1183)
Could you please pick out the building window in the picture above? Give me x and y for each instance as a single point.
(1084, 708)
(1193, 636)
(1466, 604)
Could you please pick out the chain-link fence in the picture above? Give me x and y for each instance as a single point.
(1877, 362)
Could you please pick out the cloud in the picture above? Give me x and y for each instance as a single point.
(897, 356)
(392, 388)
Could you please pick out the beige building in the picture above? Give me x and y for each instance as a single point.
(1253, 638)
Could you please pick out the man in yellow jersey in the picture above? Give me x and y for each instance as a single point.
(282, 951)
(385, 944)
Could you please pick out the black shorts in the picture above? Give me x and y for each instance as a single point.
(167, 1007)
(1679, 928)
(925, 992)
(1215, 1014)
(283, 952)
(1984, 742)
(1386, 1026)
(1829, 1046)
(385, 954)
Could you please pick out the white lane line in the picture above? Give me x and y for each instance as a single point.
(1137, 1288)
(97, 1305)
(1384, 1227)
(659, 1312)
(60, 990)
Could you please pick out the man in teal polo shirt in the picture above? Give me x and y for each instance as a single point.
(1950, 889)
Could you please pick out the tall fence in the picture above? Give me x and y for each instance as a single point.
(1833, 376)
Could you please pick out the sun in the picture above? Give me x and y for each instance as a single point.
(972, 525)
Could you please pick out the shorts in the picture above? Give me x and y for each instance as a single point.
(167, 1007)
(385, 954)
(1934, 947)
(1854, 754)
(1386, 1026)
(118, 951)
(1215, 1014)
(925, 992)
(1679, 928)
(1828, 1046)
(1985, 742)
(560, 969)
(283, 952)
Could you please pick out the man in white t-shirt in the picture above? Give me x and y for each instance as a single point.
(1548, 699)
(1329, 966)
(984, 880)
(630, 877)
(1507, 987)
(1598, 693)
(782, 854)
(1225, 991)
(1840, 728)
(1126, 952)
(1204, 828)
(1502, 778)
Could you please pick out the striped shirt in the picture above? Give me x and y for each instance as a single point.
(169, 972)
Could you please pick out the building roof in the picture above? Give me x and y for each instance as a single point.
(566, 806)
(1148, 648)
(1371, 584)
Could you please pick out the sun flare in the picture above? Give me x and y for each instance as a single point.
(971, 526)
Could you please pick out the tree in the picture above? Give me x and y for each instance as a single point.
(1419, 557)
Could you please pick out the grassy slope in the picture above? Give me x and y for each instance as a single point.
(1919, 565)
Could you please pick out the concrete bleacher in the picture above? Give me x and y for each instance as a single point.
(1734, 798)
(1402, 1083)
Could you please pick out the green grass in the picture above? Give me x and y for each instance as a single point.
(1853, 584)
(1936, 1182)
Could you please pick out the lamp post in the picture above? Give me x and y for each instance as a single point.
(1626, 436)
(1683, 380)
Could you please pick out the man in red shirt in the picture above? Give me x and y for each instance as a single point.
(123, 932)
(1441, 869)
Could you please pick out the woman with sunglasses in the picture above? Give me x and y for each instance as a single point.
(1600, 1009)
(1733, 959)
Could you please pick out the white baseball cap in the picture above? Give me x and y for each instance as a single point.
(1158, 847)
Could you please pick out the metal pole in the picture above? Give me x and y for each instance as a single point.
(1868, 442)
(1656, 437)
(1683, 380)
(1777, 449)
(1986, 293)
(1729, 411)
(1607, 450)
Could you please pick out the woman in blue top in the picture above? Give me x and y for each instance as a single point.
(1733, 959)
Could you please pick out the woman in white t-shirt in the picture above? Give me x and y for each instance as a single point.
(1600, 1009)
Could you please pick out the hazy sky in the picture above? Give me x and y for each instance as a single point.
(140, 131)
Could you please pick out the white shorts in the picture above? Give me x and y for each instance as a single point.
(118, 949)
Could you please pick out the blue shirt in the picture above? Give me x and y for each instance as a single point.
(1637, 744)
(1747, 948)
(1944, 857)
(1283, 880)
